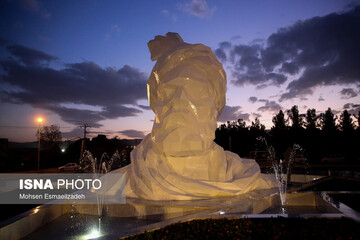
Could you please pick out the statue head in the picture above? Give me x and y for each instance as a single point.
(160, 45)
(186, 91)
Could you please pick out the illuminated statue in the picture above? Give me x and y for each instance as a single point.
(179, 160)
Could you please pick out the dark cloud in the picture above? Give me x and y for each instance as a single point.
(220, 54)
(352, 108)
(115, 111)
(335, 111)
(290, 67)
(259, 41)
(270, 106)
(325, 47)
(248, 67)
(262, 86)
(29, 56)
(253, 99)
(347, 105)
(198, 8)
(352, 4)
(257, 115)
(300, 92)
(244, 116)
(316, 52)
(232, 113)
(225, 44)
(132, 133)
(73, 134)
(348, 93)
(144, 107)
(107, 89)
(77, 116)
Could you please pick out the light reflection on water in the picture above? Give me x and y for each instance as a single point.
(82, 226)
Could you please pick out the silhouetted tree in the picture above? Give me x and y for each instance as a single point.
(330, 142)
(320, 137)
(296, 129)
(295, 117)
(357, 138)
(279, 122)
(312, 136)
(257, 127)
(234, 136)
(311, 119)
(346, 122)
(358, 119)
(328, 122)
(347, 136)
(279, 134)
(222, 136)
(49, 135)
(256, 130)
(239, 134)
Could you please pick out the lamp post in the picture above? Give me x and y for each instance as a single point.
(39, 121)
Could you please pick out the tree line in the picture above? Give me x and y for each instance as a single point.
(319, 135)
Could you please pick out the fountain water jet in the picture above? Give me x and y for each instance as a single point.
(284, 177)
(283, 169)
(98, 168)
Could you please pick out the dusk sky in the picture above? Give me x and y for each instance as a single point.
(77, 62)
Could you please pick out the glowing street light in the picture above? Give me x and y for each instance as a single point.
(39, 120)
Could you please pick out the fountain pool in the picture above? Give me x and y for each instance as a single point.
(59, 221)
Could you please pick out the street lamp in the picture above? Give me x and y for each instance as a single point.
(39, 121)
